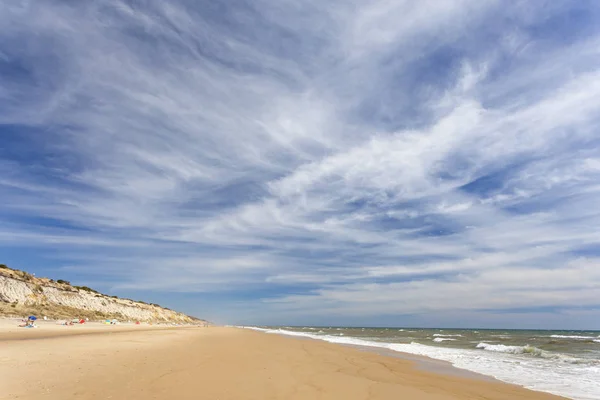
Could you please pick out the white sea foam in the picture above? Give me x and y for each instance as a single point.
(532, 351)
(440, 339)
(442, 335)
(521, 365)
(500, 348)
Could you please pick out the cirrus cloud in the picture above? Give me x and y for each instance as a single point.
(292, 159)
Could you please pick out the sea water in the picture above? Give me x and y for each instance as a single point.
(565, 363)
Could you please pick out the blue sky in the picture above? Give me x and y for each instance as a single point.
(432, 163)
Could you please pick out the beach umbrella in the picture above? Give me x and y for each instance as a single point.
(32, 317)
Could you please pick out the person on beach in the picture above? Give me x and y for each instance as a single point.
(29, 323)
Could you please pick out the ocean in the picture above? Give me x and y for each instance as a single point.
(565, 363)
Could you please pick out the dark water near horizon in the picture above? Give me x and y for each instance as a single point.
(562, 362)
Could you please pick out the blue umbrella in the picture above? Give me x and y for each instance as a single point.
(32, 317)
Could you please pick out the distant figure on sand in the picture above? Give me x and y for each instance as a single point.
(30, 322)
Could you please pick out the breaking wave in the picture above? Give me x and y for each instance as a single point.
(532, 351)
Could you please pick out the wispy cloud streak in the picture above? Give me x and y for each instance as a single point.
(345, 157)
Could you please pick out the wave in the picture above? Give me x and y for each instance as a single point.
(572, 337)
(421, 349)
(441, 334)
(501, 348)
(531, 351)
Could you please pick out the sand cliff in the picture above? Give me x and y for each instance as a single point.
(21, 293)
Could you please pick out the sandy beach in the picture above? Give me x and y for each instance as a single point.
(148, 362)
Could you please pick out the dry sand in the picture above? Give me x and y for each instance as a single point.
(141, 362)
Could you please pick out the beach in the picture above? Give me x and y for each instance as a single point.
(561, 362)
(159, 362)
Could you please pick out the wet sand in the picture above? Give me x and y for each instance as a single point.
(141, 362)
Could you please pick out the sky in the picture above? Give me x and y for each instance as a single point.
(278, 162)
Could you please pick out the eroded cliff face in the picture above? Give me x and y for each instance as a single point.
(22, 293)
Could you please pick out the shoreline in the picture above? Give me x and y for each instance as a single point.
(430, 364)
(424, 363)
(565, 369)
(222, 363)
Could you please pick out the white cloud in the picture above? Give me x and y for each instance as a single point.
(328, 146)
